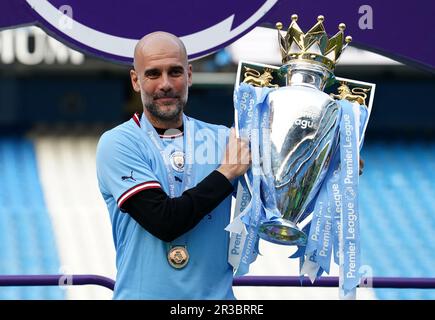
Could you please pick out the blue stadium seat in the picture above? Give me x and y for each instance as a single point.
(27, 244)
(397, 206)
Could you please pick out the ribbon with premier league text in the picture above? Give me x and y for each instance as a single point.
(255, 201)
(336, 205)
(349, 250)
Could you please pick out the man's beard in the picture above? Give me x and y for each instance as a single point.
(171, 115)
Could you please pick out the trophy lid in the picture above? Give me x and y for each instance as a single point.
(313, 46)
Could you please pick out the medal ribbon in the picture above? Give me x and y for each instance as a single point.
(188, 175)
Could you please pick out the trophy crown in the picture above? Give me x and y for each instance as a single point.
(313, 46)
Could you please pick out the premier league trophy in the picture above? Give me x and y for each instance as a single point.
(305, 128)
(304, 121)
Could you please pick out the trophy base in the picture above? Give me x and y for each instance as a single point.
(282, 232)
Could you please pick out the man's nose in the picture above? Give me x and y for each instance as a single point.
(165, 83)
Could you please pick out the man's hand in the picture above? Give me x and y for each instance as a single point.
(237, 158)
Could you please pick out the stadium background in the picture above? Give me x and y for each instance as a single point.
(55, 102)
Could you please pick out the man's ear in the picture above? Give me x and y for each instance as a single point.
(134, 80)
(189, 75)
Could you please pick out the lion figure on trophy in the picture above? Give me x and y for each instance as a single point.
(253, 77)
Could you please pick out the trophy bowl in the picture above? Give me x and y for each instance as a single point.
(304, 128)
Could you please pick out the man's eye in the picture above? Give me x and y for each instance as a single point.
(176, 73)
(152, 74)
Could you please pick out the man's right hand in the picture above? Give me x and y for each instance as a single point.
(237, 158)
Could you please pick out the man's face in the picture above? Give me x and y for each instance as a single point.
(162, 77)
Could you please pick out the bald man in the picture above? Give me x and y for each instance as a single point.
(167, 180)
